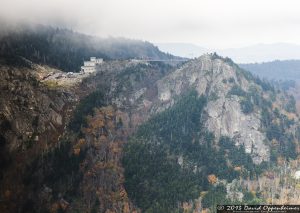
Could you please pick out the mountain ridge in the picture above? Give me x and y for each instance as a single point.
(275, 70)
(66, 50)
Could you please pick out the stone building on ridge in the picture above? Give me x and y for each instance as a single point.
(91, 65)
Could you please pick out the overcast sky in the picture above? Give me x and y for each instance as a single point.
(209, 23)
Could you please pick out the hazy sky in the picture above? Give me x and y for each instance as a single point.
(209, 23)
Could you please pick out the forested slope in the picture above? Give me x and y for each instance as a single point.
(66, 50)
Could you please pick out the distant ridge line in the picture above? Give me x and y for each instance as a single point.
(162, 60)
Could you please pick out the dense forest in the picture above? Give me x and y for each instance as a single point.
(171, 157)
(66, 50)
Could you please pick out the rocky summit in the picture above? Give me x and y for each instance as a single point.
(215, 78)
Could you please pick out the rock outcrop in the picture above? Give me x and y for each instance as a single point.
(214, 78)
(32, 119)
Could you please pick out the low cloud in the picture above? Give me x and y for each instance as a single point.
(211, 23)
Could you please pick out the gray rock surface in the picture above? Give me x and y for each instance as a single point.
(224, 117)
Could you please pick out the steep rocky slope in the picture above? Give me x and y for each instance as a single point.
(32, 119)
(215, 79)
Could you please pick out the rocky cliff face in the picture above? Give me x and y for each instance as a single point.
(32, 118)
(29, 108)
(215, 78)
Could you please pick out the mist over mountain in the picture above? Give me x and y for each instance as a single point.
(65, 49)
(250, 54)
(96, 118)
